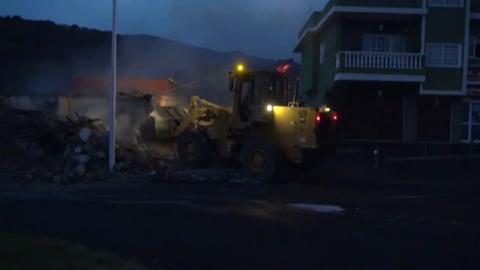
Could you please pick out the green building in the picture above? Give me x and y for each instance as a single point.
(400, 70)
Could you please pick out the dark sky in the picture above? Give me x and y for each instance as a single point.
(266, 28)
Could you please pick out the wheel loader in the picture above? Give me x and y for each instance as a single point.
(262, 129)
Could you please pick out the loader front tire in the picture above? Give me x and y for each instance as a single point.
(260, 160)
(194, 149)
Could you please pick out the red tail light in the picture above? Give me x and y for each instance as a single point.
(335, 117)
(317, 119)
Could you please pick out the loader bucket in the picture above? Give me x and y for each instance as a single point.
(161, 123)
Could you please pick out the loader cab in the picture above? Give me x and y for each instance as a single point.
(269, 88)
(255, 90)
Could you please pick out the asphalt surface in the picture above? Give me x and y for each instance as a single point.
(217, 225)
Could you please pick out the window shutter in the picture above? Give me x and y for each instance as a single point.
(368, 43)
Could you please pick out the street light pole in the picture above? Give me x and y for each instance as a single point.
(113, 90)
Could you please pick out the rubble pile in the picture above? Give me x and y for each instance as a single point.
(71, 149)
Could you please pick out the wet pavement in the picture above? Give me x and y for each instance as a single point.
(224, 225)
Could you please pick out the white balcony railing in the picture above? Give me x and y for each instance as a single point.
(382, 60)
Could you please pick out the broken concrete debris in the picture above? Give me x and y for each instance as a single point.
(78, 149)
(101, 155)
(69, 149)
(83, 159)
(88, 148)
(85, 134)
(66, 149)
(39, 152)
(80, 169)
(120, 166)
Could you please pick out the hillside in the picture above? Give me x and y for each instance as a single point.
(41, 57)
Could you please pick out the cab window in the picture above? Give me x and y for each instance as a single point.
(269, 89)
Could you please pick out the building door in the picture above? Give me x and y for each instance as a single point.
(471, 122)
(434, 118)
(369, 112)
(384, 43)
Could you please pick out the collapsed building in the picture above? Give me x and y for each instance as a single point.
(89, 96)
(72, 128)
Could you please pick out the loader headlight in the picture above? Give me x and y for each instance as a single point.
(269, 108)
(240, 67)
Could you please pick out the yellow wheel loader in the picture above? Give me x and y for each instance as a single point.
(261, 129)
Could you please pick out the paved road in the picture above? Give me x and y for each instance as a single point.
(247, 226)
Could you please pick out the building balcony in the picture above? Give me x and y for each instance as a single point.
(372, 8)
(379, 66)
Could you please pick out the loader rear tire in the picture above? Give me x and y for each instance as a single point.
(194, 149)
(260, 160)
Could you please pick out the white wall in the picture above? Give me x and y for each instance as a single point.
(28, 103)
(130, 112)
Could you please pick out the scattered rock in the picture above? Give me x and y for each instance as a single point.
(158, 175)
(69, 174)
(120, 166)
(162, 164)
(134, 140)
(83, 159)
(141, 157)
(44, 175)
(58, 179)
(238, 180)
(3, 109)
(34, 145)
(101, 155)
(39, 152)
(78, 149)
(88, 148)
(22, 145)
(67, 151)
(80, 169)
(103, 138)
(120, 153)
(85, 134)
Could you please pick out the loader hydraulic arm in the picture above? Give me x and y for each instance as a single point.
(200, 110)
(195, 101)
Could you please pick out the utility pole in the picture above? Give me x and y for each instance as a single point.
(113, 90)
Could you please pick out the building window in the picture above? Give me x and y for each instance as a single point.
(444, 55)
(473, 47)
(445, 3)
(384, 43)
(471, 121)
(322, 53)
